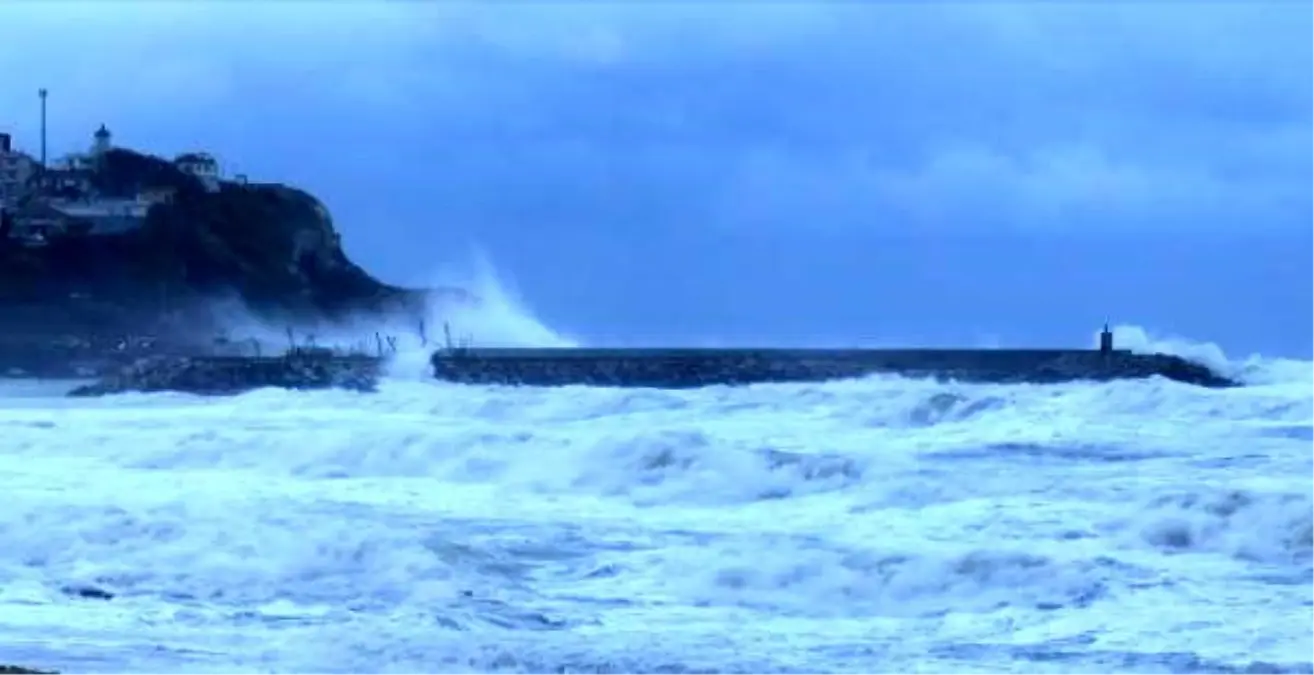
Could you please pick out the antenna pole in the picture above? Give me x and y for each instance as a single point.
(42, 93)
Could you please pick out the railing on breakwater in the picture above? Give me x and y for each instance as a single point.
(380, 345)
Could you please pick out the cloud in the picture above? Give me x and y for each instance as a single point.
(1030, 115)
(836, 114)
(135, 56)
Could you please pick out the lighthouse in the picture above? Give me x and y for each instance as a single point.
(101, 145)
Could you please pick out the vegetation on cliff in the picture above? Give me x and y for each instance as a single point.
(271, 246)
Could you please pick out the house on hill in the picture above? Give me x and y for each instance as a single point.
(34, 223)
(105, 216)
(37, 221)
(64, 183)
(103, 191)
(202, 165)
(157, 195)
(16, 169)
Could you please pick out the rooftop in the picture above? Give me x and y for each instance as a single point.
(194, 158)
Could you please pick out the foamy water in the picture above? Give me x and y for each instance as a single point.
(866, 526)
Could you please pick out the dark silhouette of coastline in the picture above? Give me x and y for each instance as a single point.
(126, 255)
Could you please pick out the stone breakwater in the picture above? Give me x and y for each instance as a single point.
(228, 375)
(688, 368)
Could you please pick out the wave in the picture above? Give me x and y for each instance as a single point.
(499, 319)
(542, 529)
(1253, 369)
(502, 318)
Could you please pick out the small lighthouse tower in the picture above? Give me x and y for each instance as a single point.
(102, 142)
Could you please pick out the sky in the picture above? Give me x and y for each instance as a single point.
(749, 172)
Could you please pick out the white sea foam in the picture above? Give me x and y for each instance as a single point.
(882, 524)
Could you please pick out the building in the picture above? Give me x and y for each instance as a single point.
(37, 221)
(102, 216)
(34, 224)
(102, 208)
(74, 161)
(16, 170)
(157, 195)
(63, 183)
(202, 165)
(101, 142)
(90, 160)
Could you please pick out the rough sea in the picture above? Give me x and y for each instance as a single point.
(876, 525)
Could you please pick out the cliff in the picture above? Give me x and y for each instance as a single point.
(272, 247)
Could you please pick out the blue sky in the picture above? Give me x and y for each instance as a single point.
(750, 172)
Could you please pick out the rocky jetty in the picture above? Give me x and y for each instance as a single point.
(687, 368)
(300, 369)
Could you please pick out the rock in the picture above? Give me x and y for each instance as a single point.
(224, 376)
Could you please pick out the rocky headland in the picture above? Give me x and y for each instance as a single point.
(77, 300)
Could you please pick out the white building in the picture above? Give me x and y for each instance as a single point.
(202, 165)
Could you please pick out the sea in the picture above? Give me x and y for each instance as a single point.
(874, 525)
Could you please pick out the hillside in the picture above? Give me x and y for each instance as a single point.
(271, 247)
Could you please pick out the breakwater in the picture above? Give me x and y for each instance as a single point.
(227, 375)
(688, 368)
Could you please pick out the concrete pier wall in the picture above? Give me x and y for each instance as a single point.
(685, 368)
